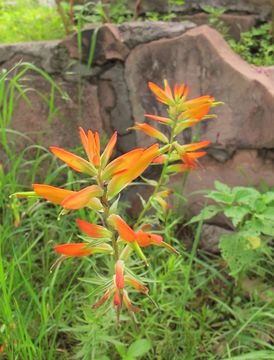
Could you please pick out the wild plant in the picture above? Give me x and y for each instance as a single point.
(109, 234)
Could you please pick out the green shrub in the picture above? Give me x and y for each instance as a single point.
(255, 46)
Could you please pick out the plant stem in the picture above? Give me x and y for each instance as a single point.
(162, 176)
(106, 208)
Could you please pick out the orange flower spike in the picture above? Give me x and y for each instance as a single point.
(151, 131)
(92, 230)
(52, 193)
(108, 150)
(74, 249)
(146, 239)
(75, 162)
(178, 168)
(84, 198)
(119, 274)
(199, 101)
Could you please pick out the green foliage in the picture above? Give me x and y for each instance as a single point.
(214, 19)
(176, 2)
(23, 23)
(256, 46)
(251, 214)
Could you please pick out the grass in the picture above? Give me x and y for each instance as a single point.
(48, 315)
(29, 22)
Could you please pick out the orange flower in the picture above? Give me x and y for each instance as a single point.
(130, 172)
(71, 200)
(81, 249)
(151, 131)
(140, 237)
(52, 193)
(91, 144)
(93, 230)
(166, 96)
(188, 155)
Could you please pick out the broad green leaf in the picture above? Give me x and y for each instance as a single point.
(245, 195)
(221, 197)
(222, 187)
(139, 348)
(206, 213)
(236, 213)
(268, 197)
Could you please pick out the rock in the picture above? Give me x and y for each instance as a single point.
(49, 55)
(115, 105)
(234, 23)
(108, 45)
(135, 33)
(62, 129)
(210, 237)
(262, 8)
(203, 60)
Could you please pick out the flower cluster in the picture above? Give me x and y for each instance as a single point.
(107, 178)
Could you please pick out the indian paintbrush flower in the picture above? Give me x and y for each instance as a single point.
(110, 234)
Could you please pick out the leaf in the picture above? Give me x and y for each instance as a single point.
(222, 187)
(237, 252)
(245, 195)
(207, 213)
(139, 348)
(221, 197)
(236, 213)
(268, 197)
(121, 349)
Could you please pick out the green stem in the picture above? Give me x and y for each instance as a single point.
(106, 208)
(162, 176)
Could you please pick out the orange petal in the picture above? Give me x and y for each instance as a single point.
(82, 198)
(51, 193)
(161, 119)
(196, 146)
(124, 230)
(159, 159)
(161, 95)
(117, 183)
(151, 131)
(108, 150)
(178, 168)
(93, 230)
(103, 299)
(84, 140)
(122, 163)
(202, 100)
(128, 303)
(94, 147)
(117, 299)
(75, 162)
(136, 284)
(74, 249)
(146, 239)
(119, 274)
